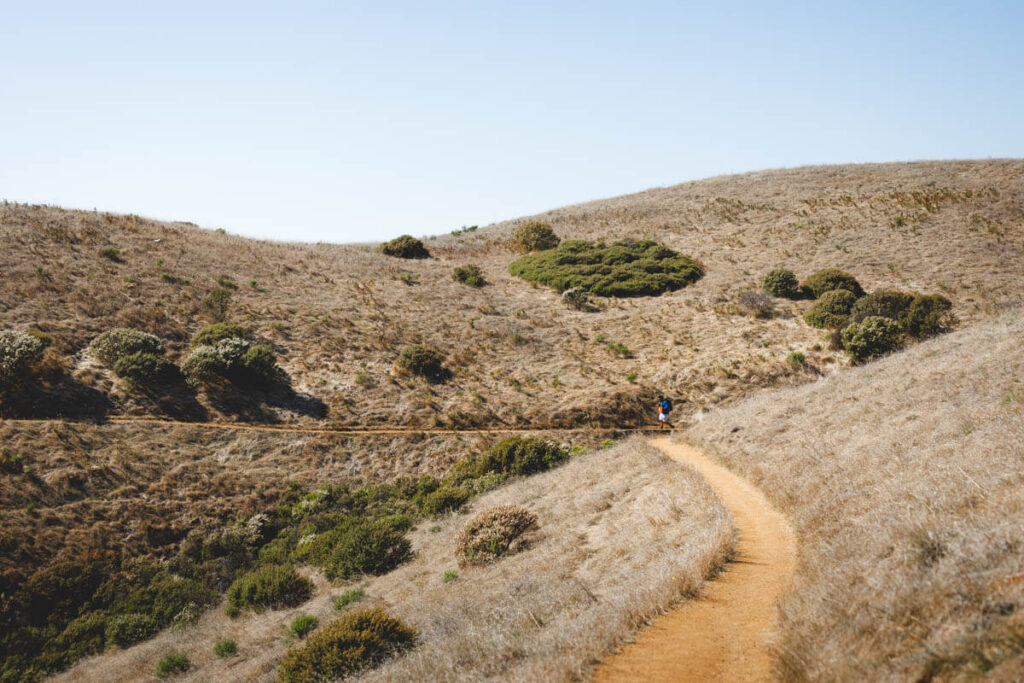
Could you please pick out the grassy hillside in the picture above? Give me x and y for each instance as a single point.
(338, 317)
(906, 484)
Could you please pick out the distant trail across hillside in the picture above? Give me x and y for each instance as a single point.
(726, 633)
(386, 431)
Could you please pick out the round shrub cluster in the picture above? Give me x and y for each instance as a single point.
(225, 648)
(494, 533)
(115, 344)
(422, 361)
(358, 546)
(128, 629)
(627, 268)
(211, 334)
(872, 337)
(354, 642)
(469, 275)
(515, 456)
(782, 283)
(405, 246)
(141, 368)
(445, 499)
(171, 664)
(302, 625)
(536, 236)
(831, 278)
(832, 309)
(271, 586)
(885, 303)
(927, 315)
(231, 360)
(18, 353)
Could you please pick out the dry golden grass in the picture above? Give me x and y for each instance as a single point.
(624, 533)
(905, 479)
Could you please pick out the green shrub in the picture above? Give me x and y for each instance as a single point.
(422, 361)
(796, 358)
(515, 456)
(832, 309)
(211, 334)
(445, 499)
(260, 364)
(226, 282)
(494, 533)
(469, 275)
(831, 278)
(141, 368)
(358, 546)
(622, 269)
(348, 598)
(171, 664)
(405, 246)
(576, 298)
(216, 303)
(225, 648)
(449, 576)
(927, 315)
(885, 303)
(782, 283)
(303, 624)
(354, 642)
(535, 236)
(272, 586)
(128, 629)
(872, 337)
(19, 353)
(203, 367)
(84, 636)
(115, 344)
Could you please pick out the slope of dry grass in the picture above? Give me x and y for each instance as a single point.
(624, 533)
(905, 479)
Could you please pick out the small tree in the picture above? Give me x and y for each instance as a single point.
(536, 236)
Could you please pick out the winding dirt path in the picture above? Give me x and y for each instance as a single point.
(727, 633)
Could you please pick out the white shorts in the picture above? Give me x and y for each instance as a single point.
(662, 417)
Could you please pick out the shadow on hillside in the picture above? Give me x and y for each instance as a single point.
(254, 403)
(56, 395)
(173, 397)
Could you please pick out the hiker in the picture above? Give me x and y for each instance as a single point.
(664, 408)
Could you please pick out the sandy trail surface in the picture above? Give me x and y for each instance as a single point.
(728, 632)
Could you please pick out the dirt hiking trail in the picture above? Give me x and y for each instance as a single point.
(726, 633)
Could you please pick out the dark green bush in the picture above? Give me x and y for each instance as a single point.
(231, 360)
(111, 253)
(260, 364)
(142, 368)
(469, 275)
(782, 283)
(84, 636)
(211, 334)
(115, 344)
(927, 315)
(272, 586)
(225, 648)
(352, 643)
(885, 303)
(445, 499)
(405, 246)
(622, 269)
(171, 664)
(872, 337)
(302, 625)
(535, 236)
(128, 629)
(422, 361)
(515, 456)
(359, 546)
(832, 309)
(493, 533)
(831, 278)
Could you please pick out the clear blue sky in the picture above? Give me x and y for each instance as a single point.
(345, 121)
